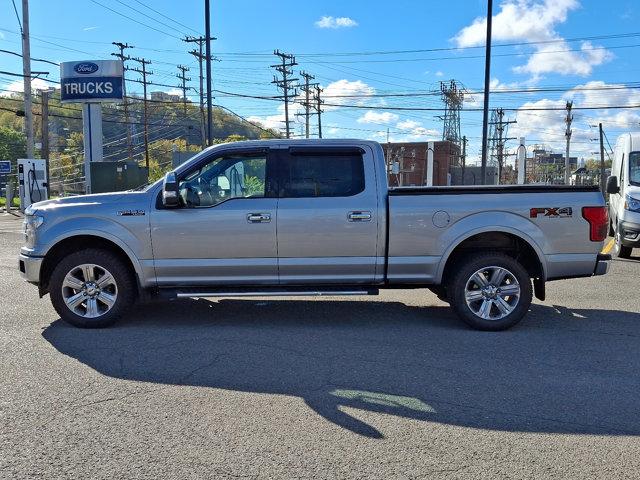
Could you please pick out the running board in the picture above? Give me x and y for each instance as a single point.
(271, 293)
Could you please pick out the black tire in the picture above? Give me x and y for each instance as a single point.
(466, 268)
(619, 250)
(124, 285)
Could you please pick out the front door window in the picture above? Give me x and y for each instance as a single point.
(224, 178)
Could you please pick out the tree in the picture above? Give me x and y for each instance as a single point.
(13, 144)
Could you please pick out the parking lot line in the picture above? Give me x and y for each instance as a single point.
(607, 248)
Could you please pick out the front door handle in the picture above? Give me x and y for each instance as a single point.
(359, 216)
(258, 217)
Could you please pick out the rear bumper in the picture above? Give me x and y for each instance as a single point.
(30, 268)
(630, 233)
(603, 262)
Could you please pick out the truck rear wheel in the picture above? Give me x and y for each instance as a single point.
(490, 291)
(92, 288)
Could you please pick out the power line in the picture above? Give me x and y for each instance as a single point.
(134, 20)
(166, 16)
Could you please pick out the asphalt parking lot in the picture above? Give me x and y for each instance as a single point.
(368, 387)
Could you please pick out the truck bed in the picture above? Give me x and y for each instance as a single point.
(491, 189)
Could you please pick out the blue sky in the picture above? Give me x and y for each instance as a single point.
(348, 45)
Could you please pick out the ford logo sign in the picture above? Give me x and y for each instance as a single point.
(85, 68)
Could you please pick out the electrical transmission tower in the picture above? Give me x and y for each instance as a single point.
(286, 83)
(498, 138)
(452, 96)
(122, 47)
(307, 89)
(144, 72)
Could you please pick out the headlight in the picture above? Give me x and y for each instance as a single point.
(632, 204)
(30, 225)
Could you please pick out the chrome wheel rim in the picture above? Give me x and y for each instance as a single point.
(492, 293)
(89, 290)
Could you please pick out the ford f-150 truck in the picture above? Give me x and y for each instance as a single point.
(310, 217)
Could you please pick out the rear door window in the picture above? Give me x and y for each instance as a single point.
(321, 175)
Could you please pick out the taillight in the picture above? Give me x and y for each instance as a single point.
(598, 219)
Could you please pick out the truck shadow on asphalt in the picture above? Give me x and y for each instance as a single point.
(559, 371)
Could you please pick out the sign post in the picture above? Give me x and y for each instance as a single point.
(91, 83)
(5, 169)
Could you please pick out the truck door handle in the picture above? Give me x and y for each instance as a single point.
(359, 216)
(258, 217)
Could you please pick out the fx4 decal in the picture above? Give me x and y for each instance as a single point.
(551, 212)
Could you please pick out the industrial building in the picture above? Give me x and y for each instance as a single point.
(407, 162)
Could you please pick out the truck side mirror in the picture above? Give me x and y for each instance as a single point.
(612, 185)
(170, 196)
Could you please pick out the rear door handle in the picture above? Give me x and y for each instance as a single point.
(258, 217)
(359, 216)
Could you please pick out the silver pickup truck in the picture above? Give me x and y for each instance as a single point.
(310, 217)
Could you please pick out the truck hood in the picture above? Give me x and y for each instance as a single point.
(84, 201)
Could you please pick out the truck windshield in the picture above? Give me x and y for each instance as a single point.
(634, 168)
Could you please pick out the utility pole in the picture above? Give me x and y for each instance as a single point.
(45, 133)
(319, 103)
(144, 74)
(487, 82)
(284, 68)
(567, 133)
(26, 72)
(122, 47)
(464, 156)
(200, 56)
(184, 79)
(207, 34)
(602, 177)
(307, 104)
(499, 138)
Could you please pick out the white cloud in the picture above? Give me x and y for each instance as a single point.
(87, 29)
(439, 73)
(344, 92)
(414, 130)
(175, 91)
(519, 20)
(18, 86)
(327, 21)
(548, 126)
(535, 21)
(557, 58)
(378, 117)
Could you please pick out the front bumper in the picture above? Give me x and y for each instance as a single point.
(630, 234)
(30, 268)
(603, 262)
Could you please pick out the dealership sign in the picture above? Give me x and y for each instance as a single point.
(91, 81)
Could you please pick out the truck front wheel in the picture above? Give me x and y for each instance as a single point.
(92, 288)
(490, 291)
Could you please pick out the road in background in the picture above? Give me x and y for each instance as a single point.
(373, 387)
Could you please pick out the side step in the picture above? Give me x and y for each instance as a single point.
(271, 293)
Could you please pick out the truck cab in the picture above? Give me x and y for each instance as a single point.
(623, 187)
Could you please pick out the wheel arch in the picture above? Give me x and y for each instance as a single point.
(80, 241)
(499, 239)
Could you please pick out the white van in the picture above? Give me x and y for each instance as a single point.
(623, 187)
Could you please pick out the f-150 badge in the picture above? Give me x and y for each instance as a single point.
(551, 212)
(131, 213)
